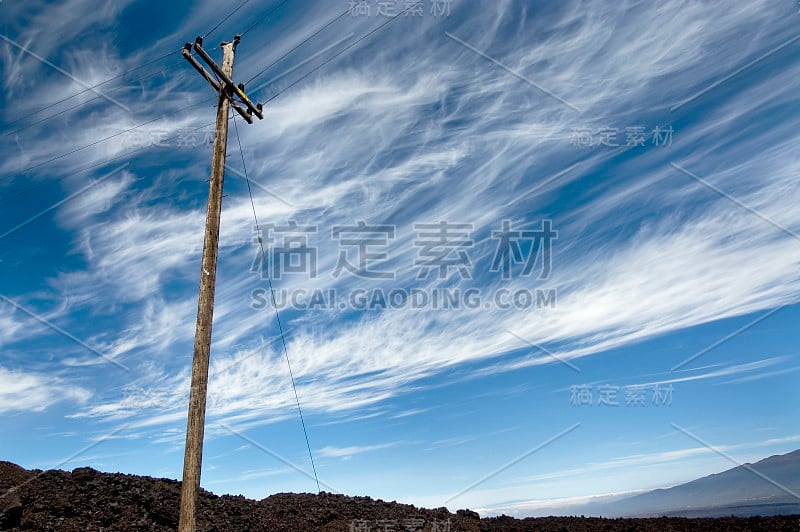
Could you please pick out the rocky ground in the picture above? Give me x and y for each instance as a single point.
(87, 500)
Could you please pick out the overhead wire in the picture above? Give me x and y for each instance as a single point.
(68, 109)
(33, 184)
(118, 76)
(284, 56)
(255, 217)
(266, 15)
(275, 306)
(337, 54)
(294, 83)
(221, 22)
(304, 62)
(52, 159)
(112, 136)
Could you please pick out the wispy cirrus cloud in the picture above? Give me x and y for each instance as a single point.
(23, 391)
(412, 127)
(411, 134)
(347, 452)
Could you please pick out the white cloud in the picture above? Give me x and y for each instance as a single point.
(95, 200)
(9, 325)
(447, 135)
(22, 391)
(347, 452)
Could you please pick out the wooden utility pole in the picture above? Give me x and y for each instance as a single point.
(195, 426)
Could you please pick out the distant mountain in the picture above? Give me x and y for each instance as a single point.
(769, 487)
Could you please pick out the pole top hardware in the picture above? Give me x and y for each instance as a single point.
(225, 84)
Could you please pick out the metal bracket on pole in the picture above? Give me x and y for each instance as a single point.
(230, 85)
(226, 85)
(187, 54)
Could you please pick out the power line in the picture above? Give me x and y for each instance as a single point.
(209, 32)
(28, 115)
(304, 62)
(259, 21)
(111, 136)
(275, 306)
(61, 156)
(118, 76)
(337, 54)
(20, 190)
(27, 126)
(281, 58)
(303, 77)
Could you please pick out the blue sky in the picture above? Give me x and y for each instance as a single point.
(658, 140)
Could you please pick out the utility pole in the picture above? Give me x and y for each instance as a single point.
(195, 426)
